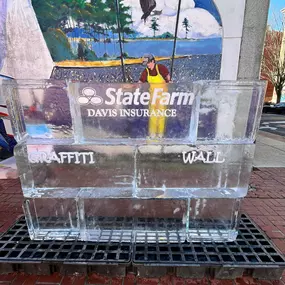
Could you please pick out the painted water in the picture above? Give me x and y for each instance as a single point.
(161, 48)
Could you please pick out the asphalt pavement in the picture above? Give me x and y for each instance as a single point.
(272, 123)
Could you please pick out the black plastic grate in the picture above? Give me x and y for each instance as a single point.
(16, 246)
(117, 223)
(251, 249)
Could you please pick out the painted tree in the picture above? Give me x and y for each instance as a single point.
(50, 14)
(94, 19)
(154, 25)
(97, 18)
(54, 19)
(111, 20)
(125, 19)
(186, 25)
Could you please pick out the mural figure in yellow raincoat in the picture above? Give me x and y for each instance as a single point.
(157, 75)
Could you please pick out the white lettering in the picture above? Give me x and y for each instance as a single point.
(156, 96)
(77, 161)
(90, 112)
(189, 158)
(165, 98)
(200, 157)
(83, 154)
(91, 161)
(128, 98)
(45, 157)
(217, 158)
(209, 154)
(54, 157)
(185, 98)
(70, 155)
(101, 113)
(33, 157)
(144, 98)
(136, 96)
(119, 94)
(61, 157)
(193, 156)
(146, 113)
(173, 96)
(111, 96)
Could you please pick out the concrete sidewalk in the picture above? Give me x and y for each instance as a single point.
(270, 150)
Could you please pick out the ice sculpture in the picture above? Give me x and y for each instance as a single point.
(134, 162)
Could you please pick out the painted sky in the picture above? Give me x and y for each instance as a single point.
(275, 16)
(203, 23)
(209, 6)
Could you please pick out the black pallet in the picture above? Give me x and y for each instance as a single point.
(16, 246)
(251, 250)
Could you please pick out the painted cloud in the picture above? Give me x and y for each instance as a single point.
(203, 24)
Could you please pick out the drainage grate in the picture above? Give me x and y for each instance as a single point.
(251, 249)
(16, 246)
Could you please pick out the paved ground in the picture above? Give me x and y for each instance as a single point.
(270, 150)
(265, 204)
(273, 123)
(94, 279)
(270, 142)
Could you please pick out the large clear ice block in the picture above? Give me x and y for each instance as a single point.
(106, 168)
(229, 111)
(137, 111)
(39, 108)
(204, 171)
(131, 219)
(134, 215)
(213, 219)
(137, 189)
(53, 217)
(134, 162)
(144, 171)
(222, 111)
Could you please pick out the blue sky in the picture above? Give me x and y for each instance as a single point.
(275, 7)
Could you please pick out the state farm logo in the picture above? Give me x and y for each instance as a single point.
(89, 96)
(119, 97)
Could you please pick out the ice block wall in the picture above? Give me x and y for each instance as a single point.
(134, 158)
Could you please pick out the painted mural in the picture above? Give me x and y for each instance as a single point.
(105, 40)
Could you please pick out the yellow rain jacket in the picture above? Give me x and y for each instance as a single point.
(156, 125)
